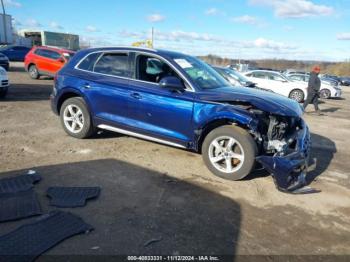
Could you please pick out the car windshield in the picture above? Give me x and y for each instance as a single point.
(201, 73)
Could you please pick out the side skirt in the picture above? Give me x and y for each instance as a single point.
(129, 133)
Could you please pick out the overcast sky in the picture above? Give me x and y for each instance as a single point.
(290, 29)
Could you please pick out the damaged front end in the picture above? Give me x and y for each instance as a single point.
(284, 150)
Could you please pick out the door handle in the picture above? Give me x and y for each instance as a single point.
(136, 95)
(86, 86)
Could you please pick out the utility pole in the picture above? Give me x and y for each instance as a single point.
(4, 20)
(152, 37)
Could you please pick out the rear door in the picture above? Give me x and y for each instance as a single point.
(104, 78)
(157, 111)
(48, 61)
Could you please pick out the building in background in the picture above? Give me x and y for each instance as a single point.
(54, 39)
(6, 32)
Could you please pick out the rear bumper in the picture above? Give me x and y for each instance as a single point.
(289, 171)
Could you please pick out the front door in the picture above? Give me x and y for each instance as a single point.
(160, 112)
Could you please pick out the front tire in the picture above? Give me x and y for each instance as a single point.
(325, 94)
(229, 152)
(297, 95)
(33, 72)
(76, 119)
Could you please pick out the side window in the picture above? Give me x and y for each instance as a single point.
(53, 55)
(275, 77)
(89, 62)
(259, 75)
(297, 78)
(152, 69)
(48, 54)
(116, 64)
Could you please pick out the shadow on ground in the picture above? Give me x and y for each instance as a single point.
(322, 153)
(330, 110)
(141, 212)
(29, 92)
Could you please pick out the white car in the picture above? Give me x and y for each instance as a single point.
(279, 84)
(4, 82)
(327, 90)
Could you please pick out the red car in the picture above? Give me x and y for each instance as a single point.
(46, 61)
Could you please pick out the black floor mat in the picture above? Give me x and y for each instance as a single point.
(29, 241)
(18, 183)
(71, 196)
(19, 205)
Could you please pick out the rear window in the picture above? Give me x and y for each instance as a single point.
(115, 64)
(89, 62)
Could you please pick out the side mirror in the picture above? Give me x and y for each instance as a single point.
(61, 60)
(172, 82)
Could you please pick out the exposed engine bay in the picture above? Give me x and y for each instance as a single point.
(283, 148)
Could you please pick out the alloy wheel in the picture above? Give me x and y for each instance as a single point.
(73, 118)
(226, 154)
(297, 96)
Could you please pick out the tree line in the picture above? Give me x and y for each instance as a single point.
(333, 68)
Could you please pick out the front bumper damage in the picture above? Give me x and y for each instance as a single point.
(289, 170)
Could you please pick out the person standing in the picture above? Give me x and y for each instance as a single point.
(314, 89)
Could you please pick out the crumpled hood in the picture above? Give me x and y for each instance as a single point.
(263, 100)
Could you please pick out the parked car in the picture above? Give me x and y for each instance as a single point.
(345, 81)
(4, 82)
(4, 62)
(293, 71)
(14, 52)
(327, 89)
(279, 84)
(233, 77)
(178, 100)
(46, 61)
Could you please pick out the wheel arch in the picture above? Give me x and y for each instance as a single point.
(29, 65)
(215, 123)
(66, 95)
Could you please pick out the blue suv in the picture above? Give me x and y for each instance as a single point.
(178, 100)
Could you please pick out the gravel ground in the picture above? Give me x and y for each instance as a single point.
(161, 200)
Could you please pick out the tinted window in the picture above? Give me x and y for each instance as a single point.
(48, 54)
(275, 77)
(298, 78)
(89, 62)
(259, 75)
(113, 64)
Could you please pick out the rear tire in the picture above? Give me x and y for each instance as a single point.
(229, 152)
(297, 95)
(325, 94)
(33, 72)
(76, 119)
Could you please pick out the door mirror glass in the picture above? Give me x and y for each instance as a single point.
(172, 82)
